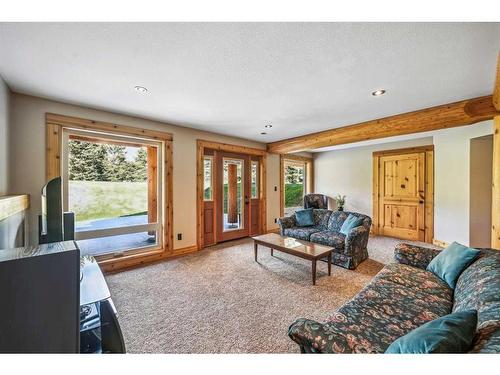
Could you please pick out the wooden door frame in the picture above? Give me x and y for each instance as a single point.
(495, 202)
(55, 124)
(309, 169)
(201, 145)
(429, 187)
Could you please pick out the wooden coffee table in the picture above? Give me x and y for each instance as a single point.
(302, 249)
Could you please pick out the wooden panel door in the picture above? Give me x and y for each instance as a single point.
(402, 196)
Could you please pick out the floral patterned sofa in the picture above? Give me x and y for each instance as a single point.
(402, 297)
(349, 251)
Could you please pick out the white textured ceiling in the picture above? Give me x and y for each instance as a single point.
(234, 78)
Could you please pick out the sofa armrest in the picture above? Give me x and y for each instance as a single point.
(314, 337)
(357, 238)
(413, 255)
(309, 334)
(286, 222)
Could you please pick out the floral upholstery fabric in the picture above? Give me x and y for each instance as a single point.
(315, 201)
(402, 297)
(415, 256)
(333, 239)
(478, 287)
(349, 251)
(301, 233)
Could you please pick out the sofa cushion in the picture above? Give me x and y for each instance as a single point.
(450, 262)
(304, 218)
(350, 223)
(452, 333)
(329, 238)
(321, 217)
(336, 220)
(302, 233)
(477, 288)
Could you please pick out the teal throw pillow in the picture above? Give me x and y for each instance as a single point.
(451, 333)
(304, 218)
(350, 223)
(449, 263)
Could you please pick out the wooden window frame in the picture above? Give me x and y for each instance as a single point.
(55, 124)
(201, 145)
(429, 187)
(309, 171)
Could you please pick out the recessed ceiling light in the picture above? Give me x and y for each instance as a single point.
(268, 126)
(378, 92)
(141, 89)
(263, 133)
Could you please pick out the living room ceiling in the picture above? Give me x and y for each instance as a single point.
(235, 78)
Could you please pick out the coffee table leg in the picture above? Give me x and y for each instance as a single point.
(272, 251)
(314, 271)
(255, 250)
(329, 263)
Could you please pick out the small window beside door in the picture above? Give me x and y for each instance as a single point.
(255, 179)
(208, 178)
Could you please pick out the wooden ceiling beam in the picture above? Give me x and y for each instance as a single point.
(496, 89)
(465, 112)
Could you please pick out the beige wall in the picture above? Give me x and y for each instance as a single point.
(4, 136)
(452, 181)
(349, 172)
(481, 171)
(28, 158)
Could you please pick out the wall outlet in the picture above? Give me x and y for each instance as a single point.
(275, 220)
(275, 188)
(179, 236)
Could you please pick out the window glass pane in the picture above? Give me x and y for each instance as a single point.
(232, 194)
(207, 181)
(255, 179)
(107, 184)
(294, 186)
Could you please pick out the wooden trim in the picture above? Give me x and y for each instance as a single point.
(80, 123)
(12, 204)
(185, 250)
(231, 148)
(282, 186)
(429, 196)
(496, 89)
(274, 230)
(440, 243)
(374, 230)
(53, 151)
(200, 215)
(465, 112)
(263, 193)
(297, 158)
(168, 186)
(402, 151)
(495, 201)
(76, 137)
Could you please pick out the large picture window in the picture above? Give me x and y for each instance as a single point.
(113, 186)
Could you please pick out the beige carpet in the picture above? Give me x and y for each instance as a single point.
(220, 300)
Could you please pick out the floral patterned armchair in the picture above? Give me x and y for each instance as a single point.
(319, 201)
(402, 297)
